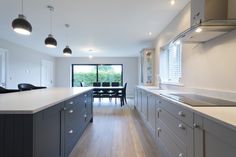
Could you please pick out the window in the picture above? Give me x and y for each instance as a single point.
(171, 64)
(89, 73)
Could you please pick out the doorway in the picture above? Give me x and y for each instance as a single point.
(3, 67)
(47, 73)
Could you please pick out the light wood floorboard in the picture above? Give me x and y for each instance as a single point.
(115, 132)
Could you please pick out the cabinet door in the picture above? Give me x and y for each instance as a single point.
(213, 139)
(144, 105)
(139, 97)
(151, 111)
(47, 132)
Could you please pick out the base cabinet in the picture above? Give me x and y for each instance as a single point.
(212, 139)
(52, 132)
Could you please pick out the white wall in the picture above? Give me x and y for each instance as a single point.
(209, 66)
(23, 64)
(130, 69)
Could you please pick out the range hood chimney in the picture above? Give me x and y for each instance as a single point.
(209, 19)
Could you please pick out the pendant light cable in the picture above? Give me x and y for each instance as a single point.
(22, 6)
(67, 30)
(50, 41)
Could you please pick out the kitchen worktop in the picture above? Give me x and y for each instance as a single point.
(223, 115)
(33, 101)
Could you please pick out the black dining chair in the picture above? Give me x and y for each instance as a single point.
(27, 86)
(115, 84)
(96, 84)
(82, 84)
(123, 93)
(4, 90)
(106, 84)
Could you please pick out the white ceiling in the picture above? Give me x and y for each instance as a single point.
(112, 27)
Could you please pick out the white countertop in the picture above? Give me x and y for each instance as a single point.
(33, 101)
(223, 115)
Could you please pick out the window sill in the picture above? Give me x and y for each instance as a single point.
(173, 84)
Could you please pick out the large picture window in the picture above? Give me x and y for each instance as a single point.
(89, 73)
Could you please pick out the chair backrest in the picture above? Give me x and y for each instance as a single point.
(25, 86)
(96, 84)
(115, 84)
(125, 86)
(82, 84)
(4, 90)
(106, 84)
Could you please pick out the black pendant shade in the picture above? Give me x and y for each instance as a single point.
(67, 51)
(50, 41)
(21, 25)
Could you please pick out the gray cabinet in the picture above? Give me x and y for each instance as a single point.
(47, 132)
(138, 98)
(173, 134)
(144, 108)
(151, 115)
(52, 132)
(212, 139)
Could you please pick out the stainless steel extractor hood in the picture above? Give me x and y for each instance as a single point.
(209, 19)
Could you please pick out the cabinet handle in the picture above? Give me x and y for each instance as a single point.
(64, 108)
(85, 115)
(195, 125)
(71, 102)
(71, 111)
(181, 126)
(159, 109)
(159, 129)
(180, 113)
(71, 131)
(181, 155)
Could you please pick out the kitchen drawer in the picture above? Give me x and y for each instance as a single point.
(168, 140)
(180, 129)
(179, 112)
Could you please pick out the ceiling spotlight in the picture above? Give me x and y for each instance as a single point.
(21, 25)
(150, 33)
(90, 56)
(67, 51)
(172, 2)
(198, 30)
(50, 41)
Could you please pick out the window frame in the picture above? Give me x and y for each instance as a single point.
(97, 65)
(165, 76)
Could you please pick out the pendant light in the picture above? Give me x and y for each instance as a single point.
(50, 41)
(21, 25)
(67, 51)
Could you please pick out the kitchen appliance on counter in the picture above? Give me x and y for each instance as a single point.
(200, 101)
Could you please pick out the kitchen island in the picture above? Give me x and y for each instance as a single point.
(45, 122)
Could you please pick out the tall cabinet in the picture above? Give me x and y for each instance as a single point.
(147, 65)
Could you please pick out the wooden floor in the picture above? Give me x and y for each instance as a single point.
(115, 132)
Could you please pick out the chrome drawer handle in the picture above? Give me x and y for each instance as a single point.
(181, 155)
(195, 125)
(181, 126)
(71, 111)
(181, 114)
(71, 131)
(71, 103)
(159, 109)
